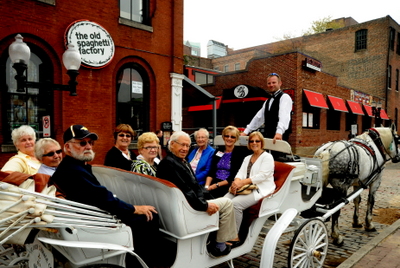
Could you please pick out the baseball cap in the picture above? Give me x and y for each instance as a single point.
(78, 132)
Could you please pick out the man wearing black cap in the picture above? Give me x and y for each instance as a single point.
(74, 178)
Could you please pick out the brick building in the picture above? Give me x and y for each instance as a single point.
(144, 66)
(323, 110)
(365, 57)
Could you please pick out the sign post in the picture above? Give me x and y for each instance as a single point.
(46, 126)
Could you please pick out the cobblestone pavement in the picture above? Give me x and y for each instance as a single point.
(386, 211)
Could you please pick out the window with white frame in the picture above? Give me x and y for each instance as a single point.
(226, 68)
(135, 10)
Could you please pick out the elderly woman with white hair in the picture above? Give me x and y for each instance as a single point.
(49, 152)
(24, 139)
(200, 157)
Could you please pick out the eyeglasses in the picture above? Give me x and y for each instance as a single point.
(229, 136)
(182, 144)
(122, 135)
(52, 153)
(274, 74)
(254, 141)
(83, 143)
(150, 148)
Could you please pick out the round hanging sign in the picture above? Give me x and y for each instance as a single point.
(241, 91)
(93, 42)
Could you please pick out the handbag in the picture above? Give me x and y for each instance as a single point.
(247, 189)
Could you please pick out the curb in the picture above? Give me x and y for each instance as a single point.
(357, 256)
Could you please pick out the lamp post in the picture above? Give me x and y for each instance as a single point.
(376, 111)
(20, 53)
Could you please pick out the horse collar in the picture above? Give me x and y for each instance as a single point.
(375, 136)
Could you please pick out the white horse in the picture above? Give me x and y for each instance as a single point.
(359, 163)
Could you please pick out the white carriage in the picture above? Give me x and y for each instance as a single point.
(88, 237)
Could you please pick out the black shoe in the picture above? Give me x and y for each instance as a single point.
(216, 252)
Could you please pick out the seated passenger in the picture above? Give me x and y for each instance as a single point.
(49, 152)
(120, 156)
(148, 145)
(200, 157)
(257, 169)
(225, 163)
(177, 170)
(75, 179)
(25, 161)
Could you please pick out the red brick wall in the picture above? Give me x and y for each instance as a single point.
(159, 52)
(294, 76)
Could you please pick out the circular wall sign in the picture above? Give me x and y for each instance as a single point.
(93, 42)
(241, 91)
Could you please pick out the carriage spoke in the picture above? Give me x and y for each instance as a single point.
(309, 245)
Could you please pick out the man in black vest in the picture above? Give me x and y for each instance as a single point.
(275, 113)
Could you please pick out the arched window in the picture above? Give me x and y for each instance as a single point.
(27, 108)
(133, 97)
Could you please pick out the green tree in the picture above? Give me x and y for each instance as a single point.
(322, 25)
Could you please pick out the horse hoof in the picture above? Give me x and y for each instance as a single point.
(338, 242)
(357, 225)
(370, 230)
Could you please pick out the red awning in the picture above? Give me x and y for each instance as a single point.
(368, 110)
(316, 99)
(384, 115)
(355, 107)
(245, 99)
(206, 107)
(338, 104)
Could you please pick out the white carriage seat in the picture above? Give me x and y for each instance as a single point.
(271, 203)
(279, 145)
(177, 218)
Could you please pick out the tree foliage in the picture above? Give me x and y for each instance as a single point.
(322, 25)
(317, 26)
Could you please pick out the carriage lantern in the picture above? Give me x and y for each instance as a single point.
(311, 175)
(20, 54)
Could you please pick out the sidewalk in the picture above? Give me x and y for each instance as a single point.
(383, 251)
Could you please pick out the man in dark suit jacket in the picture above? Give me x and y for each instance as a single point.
(74, 178)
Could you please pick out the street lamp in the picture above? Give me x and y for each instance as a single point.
(20, 53)
(376, 111)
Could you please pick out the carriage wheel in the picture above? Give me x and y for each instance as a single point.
(103, 265)
(309, 245)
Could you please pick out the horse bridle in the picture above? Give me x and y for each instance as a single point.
(375, 136)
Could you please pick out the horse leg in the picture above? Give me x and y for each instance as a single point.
(369, 226)
(336, 236)
(356, 201)
(341, 191)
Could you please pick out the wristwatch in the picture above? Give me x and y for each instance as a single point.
(206, 187)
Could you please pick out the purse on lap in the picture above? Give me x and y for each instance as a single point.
(247, 189)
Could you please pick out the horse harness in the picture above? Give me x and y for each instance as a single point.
(353, 166)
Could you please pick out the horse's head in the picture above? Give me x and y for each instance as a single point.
(390, 141)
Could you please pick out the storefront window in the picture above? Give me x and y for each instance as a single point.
(132, 94)
(26, 108)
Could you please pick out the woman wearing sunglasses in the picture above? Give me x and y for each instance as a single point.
(120, 156)
(146, 163)
(49, 152)
(257, 169)
(225, 163)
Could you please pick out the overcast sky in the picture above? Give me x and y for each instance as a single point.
(246, 23)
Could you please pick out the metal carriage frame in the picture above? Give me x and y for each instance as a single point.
(87, 236)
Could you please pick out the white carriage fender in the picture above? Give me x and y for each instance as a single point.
(97, 245)
(271, 240)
